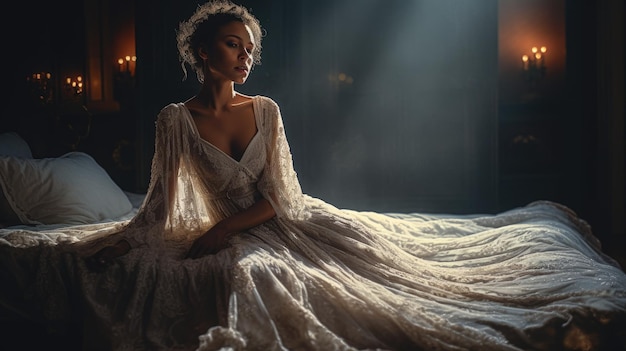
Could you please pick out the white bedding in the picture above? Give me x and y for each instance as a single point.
(28, 235)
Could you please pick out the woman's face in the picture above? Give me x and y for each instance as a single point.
(230, 57)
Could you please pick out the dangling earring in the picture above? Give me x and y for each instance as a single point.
(202, 53)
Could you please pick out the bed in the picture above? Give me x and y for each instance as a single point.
(47, 202)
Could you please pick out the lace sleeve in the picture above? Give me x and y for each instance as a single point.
(279, 182)
(148, 226)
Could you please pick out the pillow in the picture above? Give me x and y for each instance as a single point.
(71, 189)
(12, 144)
(8, 217)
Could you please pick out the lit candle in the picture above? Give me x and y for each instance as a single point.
(134, 60)
(121, 62)
(525, 62)
(128, 63)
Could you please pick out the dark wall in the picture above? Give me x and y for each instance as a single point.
(39, 37)
(595, 66)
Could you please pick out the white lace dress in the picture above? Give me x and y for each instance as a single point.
(320, 278)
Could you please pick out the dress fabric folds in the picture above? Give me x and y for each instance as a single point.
(317, 277)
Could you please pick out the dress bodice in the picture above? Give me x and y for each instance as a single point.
(221, 172)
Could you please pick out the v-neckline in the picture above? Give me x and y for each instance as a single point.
(206, 142)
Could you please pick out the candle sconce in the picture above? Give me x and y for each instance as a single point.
(534, 65)
(127, 65)
(45, 88)
(74, 87)
(125, 81)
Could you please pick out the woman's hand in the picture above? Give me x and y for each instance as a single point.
(211, 242)
(103, 258)
(216, 238)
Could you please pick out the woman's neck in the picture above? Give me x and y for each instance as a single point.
(217, 96)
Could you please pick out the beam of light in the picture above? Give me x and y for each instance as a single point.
(399, 130)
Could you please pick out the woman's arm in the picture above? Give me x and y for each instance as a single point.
(215, 238)
(167, 151)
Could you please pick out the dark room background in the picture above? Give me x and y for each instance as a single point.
(395, 105)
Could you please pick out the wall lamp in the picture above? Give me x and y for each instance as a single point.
(127, 65)
(74, 85)
(534, 65)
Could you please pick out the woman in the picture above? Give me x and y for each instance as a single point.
(222, 51)
(226, 245)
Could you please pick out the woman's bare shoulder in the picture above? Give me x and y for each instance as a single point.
(241, 100)
(239, 97)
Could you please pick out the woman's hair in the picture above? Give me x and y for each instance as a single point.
(202, 27)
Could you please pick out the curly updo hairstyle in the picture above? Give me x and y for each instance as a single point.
(202, 27)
